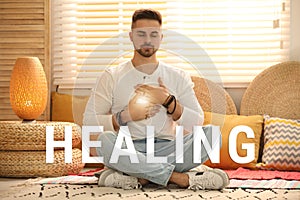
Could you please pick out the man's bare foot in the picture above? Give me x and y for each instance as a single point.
(180, 179)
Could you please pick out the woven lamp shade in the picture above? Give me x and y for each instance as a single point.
(28, 88)
(275, 91)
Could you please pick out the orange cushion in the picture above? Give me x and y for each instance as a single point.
(226, 124)
(68, 108)
(61, 107)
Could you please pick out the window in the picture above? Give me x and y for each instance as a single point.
(226, 41)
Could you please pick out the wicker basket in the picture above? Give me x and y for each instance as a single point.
(33, 164)
(212, 97)
(32, 136)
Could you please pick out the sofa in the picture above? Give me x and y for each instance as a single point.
(270, 107)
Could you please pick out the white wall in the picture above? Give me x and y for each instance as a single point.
(295, 30)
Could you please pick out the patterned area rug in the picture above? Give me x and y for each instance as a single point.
(87, 192)
(239, 178)
(234, 183)
(84, 187)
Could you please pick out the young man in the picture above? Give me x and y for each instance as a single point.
(146, 92)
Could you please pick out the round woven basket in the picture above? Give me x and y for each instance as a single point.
(33, 164)
(32, 136)
(212, 97)
(275, 91)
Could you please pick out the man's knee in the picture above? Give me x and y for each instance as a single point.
(107, 137)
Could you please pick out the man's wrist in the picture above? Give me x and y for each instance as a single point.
(125, 116)
(169, 100)
(164, 98)
(175, 110)
(121, 120)
(171, 109)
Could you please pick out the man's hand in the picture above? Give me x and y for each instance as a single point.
(146, 102)
(139, 108)
(155, 94)
(158, 95)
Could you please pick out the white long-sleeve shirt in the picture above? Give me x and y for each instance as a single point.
(115, 87)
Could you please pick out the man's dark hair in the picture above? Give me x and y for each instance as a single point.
(146, 14)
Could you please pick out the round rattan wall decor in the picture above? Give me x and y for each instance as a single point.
(275, 91)
(212, 97)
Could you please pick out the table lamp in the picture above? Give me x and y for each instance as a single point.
(28, 88)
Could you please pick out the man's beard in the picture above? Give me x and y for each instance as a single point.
(146, 52)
